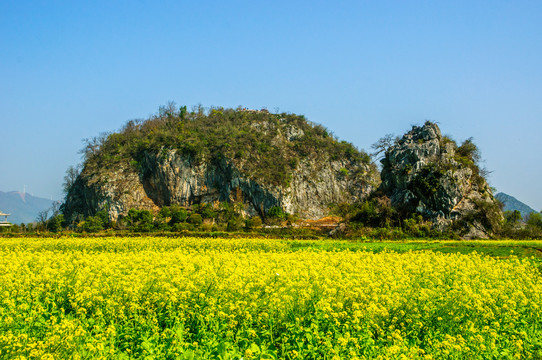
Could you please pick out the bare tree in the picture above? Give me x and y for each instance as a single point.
(42, 218)
(198, 110)
(383, 144)
(69, 179)
(55, 208)
(131, 126)
(168, 110)
(484, 172)
(91, 146)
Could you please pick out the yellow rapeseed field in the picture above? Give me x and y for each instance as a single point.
(202, 298)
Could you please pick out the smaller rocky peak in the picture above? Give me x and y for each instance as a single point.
(428, 132)
(416, 149)
(428, 174)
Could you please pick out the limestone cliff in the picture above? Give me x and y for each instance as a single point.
(427, 173)
(286, 162)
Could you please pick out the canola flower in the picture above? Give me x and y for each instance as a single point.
(192, 298)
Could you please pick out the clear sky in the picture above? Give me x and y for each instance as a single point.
(72, 69)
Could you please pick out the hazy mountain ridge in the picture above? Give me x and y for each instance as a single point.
(23, 207)
(511, 204)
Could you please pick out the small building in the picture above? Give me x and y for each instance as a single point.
(4, 219)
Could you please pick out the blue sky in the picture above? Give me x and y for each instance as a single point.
(70, 70)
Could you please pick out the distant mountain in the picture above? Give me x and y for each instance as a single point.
(511, 204)
(23, 207)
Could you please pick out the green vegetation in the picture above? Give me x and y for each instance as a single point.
(427, 181)
(373, 218)
(515, 227)
(376, 218)
(468, 155)
(265, 146)
(496, 248)
(199, 217)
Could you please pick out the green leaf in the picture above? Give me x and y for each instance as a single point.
(269, 354)
(188, 355)
(254, 348)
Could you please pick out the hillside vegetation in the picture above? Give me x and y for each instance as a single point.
(254, 140)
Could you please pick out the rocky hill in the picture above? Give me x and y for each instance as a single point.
(429, 174)
(254, 158)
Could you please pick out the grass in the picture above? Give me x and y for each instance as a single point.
(494, 248)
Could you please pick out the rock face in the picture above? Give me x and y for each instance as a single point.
(172, 179)
(429, 174)
(166, 177)
(115, 191)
